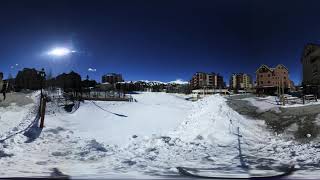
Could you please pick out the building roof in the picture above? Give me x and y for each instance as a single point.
(265, 66)
(271, 69)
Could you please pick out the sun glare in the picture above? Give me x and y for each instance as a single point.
(60, 51)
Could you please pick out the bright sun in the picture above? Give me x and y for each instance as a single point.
(60, 51)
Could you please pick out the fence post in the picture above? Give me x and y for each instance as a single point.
(42, 111)
(303, 100)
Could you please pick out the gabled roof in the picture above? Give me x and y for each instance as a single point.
(282, 66)
(263, 66)
(271, 69)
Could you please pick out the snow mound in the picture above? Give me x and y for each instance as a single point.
(212, 119)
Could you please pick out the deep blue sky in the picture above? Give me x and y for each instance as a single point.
(157, 39)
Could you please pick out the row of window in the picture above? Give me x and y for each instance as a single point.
(261, 75)
(279, 78)
(261, 82)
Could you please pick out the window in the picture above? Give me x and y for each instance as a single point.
(268, 82)
(268, 75)
(261, 75)
(261, 82)
(284, 78)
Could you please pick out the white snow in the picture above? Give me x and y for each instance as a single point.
(272, 103)
(97, 140)
(153, 113)
(11, 117)
(264, 103)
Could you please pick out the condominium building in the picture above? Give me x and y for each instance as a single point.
(206, 80)
(240, 81)
(268, 79)
(1, 81)
(112, 78)
(311, 69)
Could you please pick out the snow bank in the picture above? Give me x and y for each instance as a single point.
(15, 111)
(212, 119)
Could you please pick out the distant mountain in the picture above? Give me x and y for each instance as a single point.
(147, 82)
(153, 83)
(178, 81)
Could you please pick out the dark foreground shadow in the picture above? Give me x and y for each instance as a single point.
(33, 131)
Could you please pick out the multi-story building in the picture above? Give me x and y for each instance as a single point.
(269, 79)
(311, 69)
(240, 81)
(70, 82)
(1, 81)
(112, 78)
(206, 80)
(28, 79)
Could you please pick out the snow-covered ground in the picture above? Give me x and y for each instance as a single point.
(146, 138)
(14, 110)
(264, 103)
(153, 113)
(272, 103)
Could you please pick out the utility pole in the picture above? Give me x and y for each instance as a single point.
(282, 85)
(42, 99)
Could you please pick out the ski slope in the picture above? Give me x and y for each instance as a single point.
(148, 138)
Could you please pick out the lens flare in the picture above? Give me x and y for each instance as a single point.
(60, 51)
